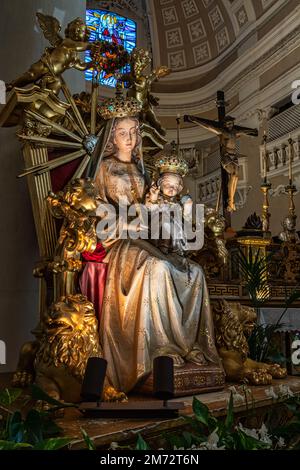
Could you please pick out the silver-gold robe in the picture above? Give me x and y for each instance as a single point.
(150, 306)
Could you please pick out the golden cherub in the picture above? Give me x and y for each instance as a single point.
(141, 85)
(63, 55)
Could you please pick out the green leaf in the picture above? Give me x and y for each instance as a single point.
(203, 415)
(8, 445)
(295, 446)
(15, 427)
(54, 443)
(227, 440)
(9, 395)
(196, 425)
(255, 272)
(201, 411)
(39, 394)
(141, 444)
(246, 442)
(289, 430)
(88, 441)
(176, 440)
(188, 437)
(260, 341)
(33, 427)
(49, 426)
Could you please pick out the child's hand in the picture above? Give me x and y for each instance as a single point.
(153, 193)
(187, 201)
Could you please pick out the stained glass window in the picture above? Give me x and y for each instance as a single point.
(108, 26)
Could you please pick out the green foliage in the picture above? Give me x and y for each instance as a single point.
(203, 415)
(40, 395)
(290, 431)
(255, 273)
(8, 445)
(88, 441)
(141, 444)
(53, 443)
(213, 433)
(9, 395)
(260, 341)
(254, 269)
(226, 434)
(31, 429)
(261, 344)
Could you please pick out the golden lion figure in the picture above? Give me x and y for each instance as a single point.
(76, 205)
(233, 322)
(68, 338)
(67, 334)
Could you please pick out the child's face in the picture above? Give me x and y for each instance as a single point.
(171, 185)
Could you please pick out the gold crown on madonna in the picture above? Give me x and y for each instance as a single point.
(120, 107)
(172, 164)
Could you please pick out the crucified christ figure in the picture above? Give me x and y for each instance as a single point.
(228, 134)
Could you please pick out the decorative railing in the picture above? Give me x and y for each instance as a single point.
(284, 123)
(208, 186)
(278, 156)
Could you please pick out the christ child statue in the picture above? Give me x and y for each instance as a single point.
(164, 201)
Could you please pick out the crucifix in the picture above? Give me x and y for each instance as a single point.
(228, 134)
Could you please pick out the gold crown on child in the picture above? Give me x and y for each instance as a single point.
(120, 107)
(171, 164)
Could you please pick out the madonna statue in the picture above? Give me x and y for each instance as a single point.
(150, 307)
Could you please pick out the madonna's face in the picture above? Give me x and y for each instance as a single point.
(125, 135)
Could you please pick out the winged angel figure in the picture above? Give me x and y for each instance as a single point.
(63, 55)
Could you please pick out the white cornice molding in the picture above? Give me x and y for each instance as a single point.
(246, 112)
(265, 98)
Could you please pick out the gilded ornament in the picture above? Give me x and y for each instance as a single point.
(233, 323)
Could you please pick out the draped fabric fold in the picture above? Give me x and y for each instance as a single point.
(150, 306)
(92, 284)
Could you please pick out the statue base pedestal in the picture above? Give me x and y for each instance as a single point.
(190, 380)
(125, 431)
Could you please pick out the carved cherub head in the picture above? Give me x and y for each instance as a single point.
(214, 221)
(288, 224)
(77, 30)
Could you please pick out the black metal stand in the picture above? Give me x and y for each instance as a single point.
(135, 409)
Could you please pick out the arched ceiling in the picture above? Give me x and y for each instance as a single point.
(192, 32)
(197, 36)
